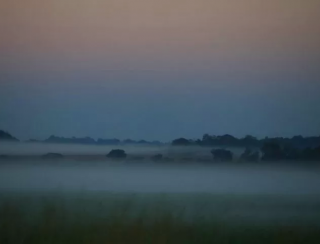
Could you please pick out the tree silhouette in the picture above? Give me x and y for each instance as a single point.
(181, 142)
(5, 136)
(222, 155)
(272, 151)
(117, 153)
(249, 155)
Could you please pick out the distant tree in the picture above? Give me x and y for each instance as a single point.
(5, 136)
(312, 154)
(249, 155)
(52, 156)
(254, 157)
(73, 140)
(291, 153)
(224, 140)
(108, 141)
(198, 142)
(208, 140)
(222, 155)
(272, 151)
(298, 141)
(317, 153)
(181, 142)
(249, 141)
(228, 140)
(117, 153)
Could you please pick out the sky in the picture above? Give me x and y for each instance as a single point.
(159, 69)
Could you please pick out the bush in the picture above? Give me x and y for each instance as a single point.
(53, 156)
(181, 142)
(272, 151)
(249, 156)
(117, 153)
(222, 155)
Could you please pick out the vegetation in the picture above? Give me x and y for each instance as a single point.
(5, 136)
(297, 148)
(91, 141)
(248, 141)
(181, 142)
(250, 155)
(55, 223)
(117, 153)
(52, 156)
(273, 151)
(222, 155)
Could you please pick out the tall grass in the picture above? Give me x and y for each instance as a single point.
(54, 222)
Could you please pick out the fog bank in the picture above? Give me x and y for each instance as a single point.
(175, 178)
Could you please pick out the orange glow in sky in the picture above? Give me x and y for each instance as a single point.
(163, 32)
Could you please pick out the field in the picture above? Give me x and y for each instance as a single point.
(100, 201)
(102, 217)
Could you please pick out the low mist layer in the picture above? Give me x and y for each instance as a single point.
(151, 177)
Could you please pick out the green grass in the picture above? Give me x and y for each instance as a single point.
(52, 220)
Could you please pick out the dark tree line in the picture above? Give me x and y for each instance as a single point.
(249, 141)
(272, 149)
(222, 155)
(5, 136)
(91, 141)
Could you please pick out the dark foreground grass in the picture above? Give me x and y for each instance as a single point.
(54, 223)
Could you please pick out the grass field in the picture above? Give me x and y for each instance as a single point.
(155, 218)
